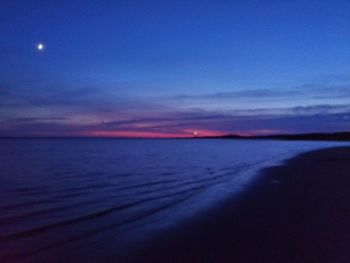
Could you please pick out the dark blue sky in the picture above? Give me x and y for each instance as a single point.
(163, 68)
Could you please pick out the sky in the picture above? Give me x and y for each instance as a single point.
(170, 68)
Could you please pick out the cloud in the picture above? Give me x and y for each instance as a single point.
(302, 92)
(32, 106)
(243, 94)
(301, 119)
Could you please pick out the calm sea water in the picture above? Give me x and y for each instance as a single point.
(69, 199)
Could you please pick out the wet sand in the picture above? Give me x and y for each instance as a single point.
(296, 212)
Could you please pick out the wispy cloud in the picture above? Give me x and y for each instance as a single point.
(301, 93)
(302, 119)
(33, 108)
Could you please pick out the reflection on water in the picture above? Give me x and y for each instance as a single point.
(62, 199)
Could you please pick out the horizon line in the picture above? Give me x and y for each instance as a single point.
(247, 136)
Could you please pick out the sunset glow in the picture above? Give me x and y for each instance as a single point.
(140, 134)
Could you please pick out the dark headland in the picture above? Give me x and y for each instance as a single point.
(338, 136)
(295, 212)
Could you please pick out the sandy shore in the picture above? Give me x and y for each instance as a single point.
(296, 212)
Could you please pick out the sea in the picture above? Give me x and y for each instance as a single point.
(74, 200)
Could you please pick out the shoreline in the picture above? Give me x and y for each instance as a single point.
(295, 212)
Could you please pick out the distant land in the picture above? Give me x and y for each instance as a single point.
(338, 136)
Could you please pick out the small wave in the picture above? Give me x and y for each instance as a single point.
(81, 219)
(147, 184)
(107, 228)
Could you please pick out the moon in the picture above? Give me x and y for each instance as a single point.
(40, 46)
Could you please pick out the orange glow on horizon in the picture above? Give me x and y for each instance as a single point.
(186, 133)
(146, 134)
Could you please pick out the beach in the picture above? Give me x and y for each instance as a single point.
(295, 212)
(174, 201)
